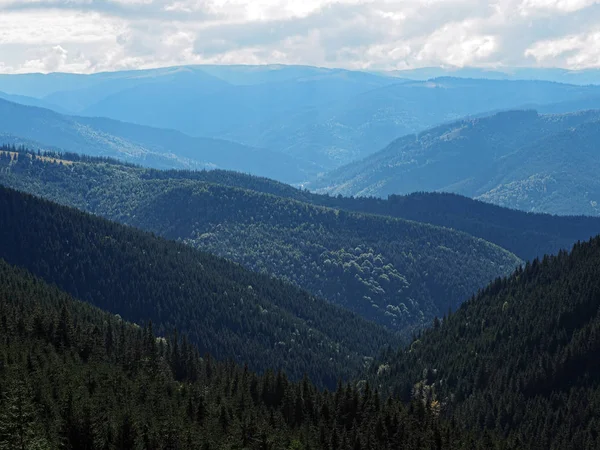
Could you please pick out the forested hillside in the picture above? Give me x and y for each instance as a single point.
(527, 235)
(401, 274)
(519, 360)
(519, 159)
(555, 174)
(74, 377)
(223, 309)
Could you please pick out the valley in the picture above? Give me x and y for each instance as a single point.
(398, 273)
(223, 309)
(271, 256)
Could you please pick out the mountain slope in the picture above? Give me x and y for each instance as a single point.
(143, 145)
(224, 309)
(32, 101)
(557, 173)
(75, 377)
(395, 272)
(519, 359)
(527, 235)
(530, 154)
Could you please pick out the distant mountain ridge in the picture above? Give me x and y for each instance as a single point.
(580, 77)
(518, 159)
(142, 145)
(322, 117)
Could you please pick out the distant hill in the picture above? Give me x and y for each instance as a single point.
(518, 159)
(325, 117)
(186, 101)
(519, 360)
(581, 77)
(142, 145)
(32, 101)
(221, 307)
(396, 272)
(527, 235)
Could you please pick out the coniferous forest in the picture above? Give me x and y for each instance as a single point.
(116, 338)
(527, 235)
(222, 308)
(357, 253)
(75, 377)
(518, 361)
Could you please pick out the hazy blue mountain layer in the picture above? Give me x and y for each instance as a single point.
(519, 159)
(325, 117)
(140, 144)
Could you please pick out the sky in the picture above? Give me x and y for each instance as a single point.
(88, 36)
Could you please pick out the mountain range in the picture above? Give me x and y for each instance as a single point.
(42, 128)
(514, 367)
(323, 117)
(437, 288)
(519, 159)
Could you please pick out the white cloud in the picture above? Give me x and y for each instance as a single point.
(458, 44)
(579, 51)
(531, 6)
(52, 60)
(92, 35)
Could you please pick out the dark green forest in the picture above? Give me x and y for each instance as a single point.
(398, 273)
(527, 235)
(519, 360)
(74, 377)
(515, 367)
(223, 308)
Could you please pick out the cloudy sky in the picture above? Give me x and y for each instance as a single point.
(100, 35)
